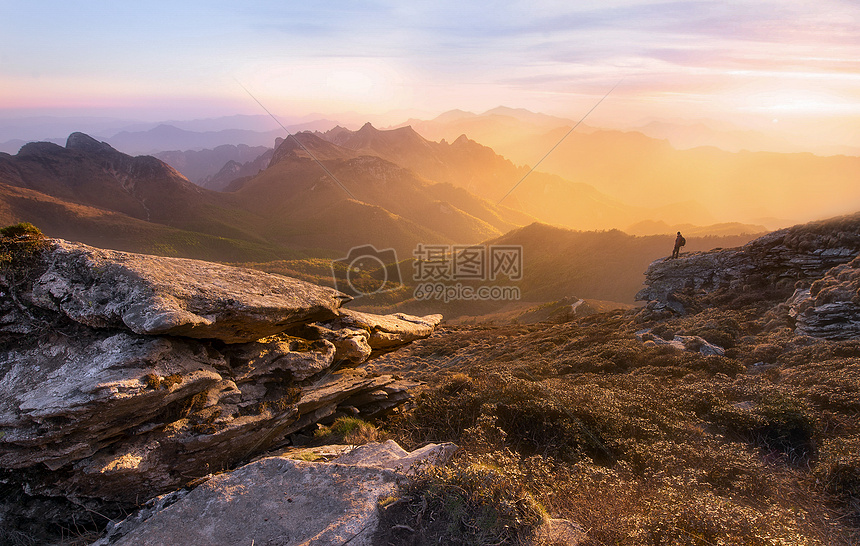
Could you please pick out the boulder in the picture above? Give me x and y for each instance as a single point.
(174, 296)
(390, 455)
(695, 344)
(277, 500)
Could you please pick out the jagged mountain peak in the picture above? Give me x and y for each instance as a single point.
(308, 145)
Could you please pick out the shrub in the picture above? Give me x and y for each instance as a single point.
(350, 430)
(838, 468)
(19, 245)
(470, 503)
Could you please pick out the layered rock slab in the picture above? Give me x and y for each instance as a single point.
(65, 398)
(174, 296)
(830, 308)
(385, 331)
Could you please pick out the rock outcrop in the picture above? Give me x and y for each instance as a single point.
(174, 296)
(277, 500)
(830, 308)
(125, 376)
(777, 260)
(810, 259)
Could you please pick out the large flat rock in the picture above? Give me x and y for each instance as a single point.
(174, 296)
(278, 500)
(273, 501)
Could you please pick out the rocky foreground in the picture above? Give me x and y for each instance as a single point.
(124, 376)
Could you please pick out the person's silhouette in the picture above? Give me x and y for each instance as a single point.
(679, 242)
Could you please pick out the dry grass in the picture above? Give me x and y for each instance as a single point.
(657, 446)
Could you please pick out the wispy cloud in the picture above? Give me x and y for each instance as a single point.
(439, 55)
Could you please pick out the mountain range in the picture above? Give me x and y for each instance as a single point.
(319, 194)
(292, 208)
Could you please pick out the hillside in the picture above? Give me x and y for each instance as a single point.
(398, 208)
(199, 166)
(557, 264)
(115, 230)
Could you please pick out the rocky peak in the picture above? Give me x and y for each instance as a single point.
(84, 143)
(800, 253)
(307, 145)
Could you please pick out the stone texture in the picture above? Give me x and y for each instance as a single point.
(94, 410)
(65, 398)
(297, 357)
(174, 296)
(272, 501)
(278, 500)
(830, 308)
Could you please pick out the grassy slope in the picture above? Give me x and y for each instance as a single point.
(641, 445)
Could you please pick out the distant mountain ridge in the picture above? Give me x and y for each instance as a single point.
(480, 170)
(635, 168)
(198, 165)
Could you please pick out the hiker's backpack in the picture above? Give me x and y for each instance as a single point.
(683, 241)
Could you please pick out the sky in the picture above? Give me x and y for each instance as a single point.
(777, 64)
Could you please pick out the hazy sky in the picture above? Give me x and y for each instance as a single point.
(759, 60)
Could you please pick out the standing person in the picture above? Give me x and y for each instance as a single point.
(679, 242)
